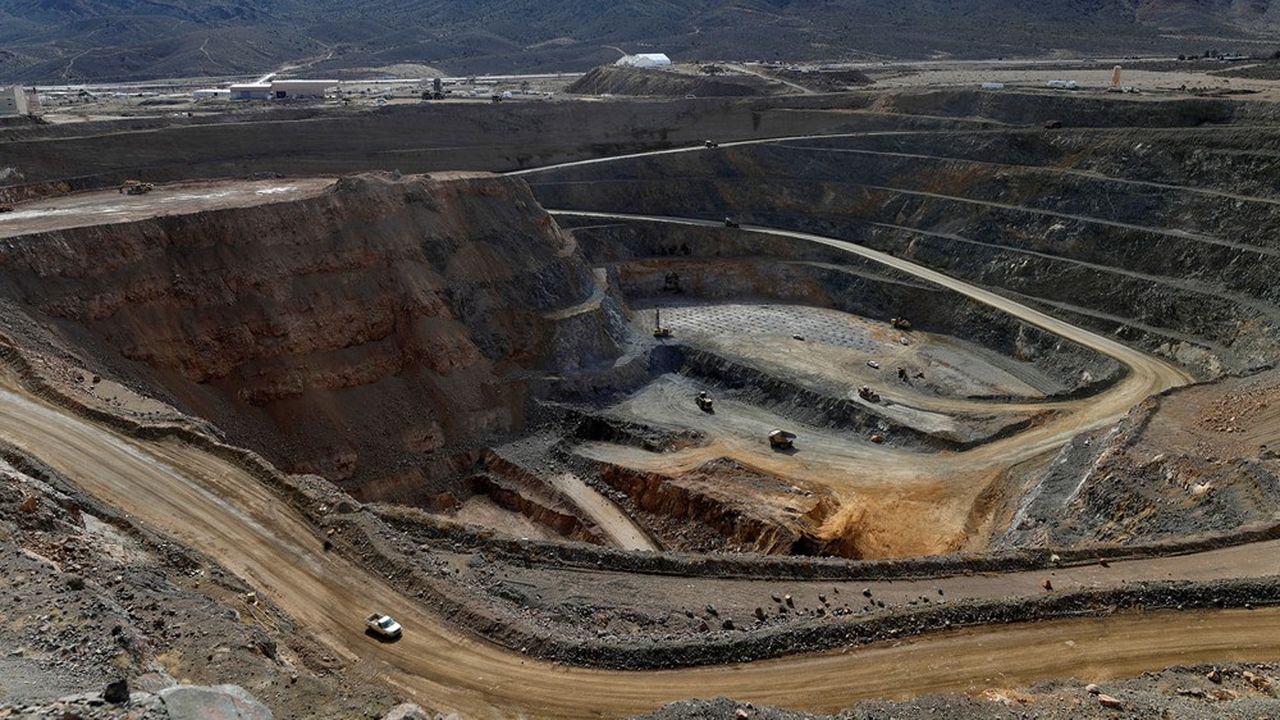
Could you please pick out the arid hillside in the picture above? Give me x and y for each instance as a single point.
(45, 41)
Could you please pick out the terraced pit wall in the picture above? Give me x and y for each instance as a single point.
(1179, 261)
(720, 265)
(45, 158)
(380, 333)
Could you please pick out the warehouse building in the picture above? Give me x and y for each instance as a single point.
(251, 91)
(281, 89)
(291, 89)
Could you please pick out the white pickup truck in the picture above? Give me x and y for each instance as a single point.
(383, 626)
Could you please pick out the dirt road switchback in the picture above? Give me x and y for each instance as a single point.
(220, 509)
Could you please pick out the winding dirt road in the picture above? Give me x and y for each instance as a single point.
(1147, 375)
(218, 508)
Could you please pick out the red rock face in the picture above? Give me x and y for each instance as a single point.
(382, 326)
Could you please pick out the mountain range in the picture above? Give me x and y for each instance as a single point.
(54, 41)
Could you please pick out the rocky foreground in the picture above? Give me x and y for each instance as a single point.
(1236, 691)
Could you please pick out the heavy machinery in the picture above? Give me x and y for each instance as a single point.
(136, 187)
(782, 440)
(866, 393)
(705, 403)
(900, 323)
(658, 331)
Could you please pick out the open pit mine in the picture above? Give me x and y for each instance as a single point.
(897, 403)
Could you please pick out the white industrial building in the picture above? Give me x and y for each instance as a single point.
(287, 89)
(18, 100)
(251, 91)
(645, 60)
(212, 94)
(281, 89)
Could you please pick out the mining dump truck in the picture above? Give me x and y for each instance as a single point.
(705, 403)
(136, 187)
(900, 323)
(781, 440)
(868, 394)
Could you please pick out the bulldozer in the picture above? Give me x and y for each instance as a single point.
(866, 393)
(705, 403)
(658, 331)
(900, 323)
(136, 187)
(782, 440)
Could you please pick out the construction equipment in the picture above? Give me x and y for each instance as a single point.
(782, 440)
(873, 364)
(136, 187)
(731, 223)
(658, 331)
(866, 393)
(705, 403)
(900, 323)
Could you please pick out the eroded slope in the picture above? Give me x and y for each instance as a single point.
(380, 332)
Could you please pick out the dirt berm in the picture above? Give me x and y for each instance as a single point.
(613, 80)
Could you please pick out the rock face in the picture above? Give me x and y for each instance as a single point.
(181, 702)
(1064, 219)
(388, 322)
(1184, 465)
(223, 702)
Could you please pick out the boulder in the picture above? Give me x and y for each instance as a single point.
(406, 711)
(1109, 702)
(117, 693)
(220, 702)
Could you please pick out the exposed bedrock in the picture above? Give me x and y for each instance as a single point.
(1194, 462)
(721, 265)
(379, 333)
(705, 510)
(419, 138)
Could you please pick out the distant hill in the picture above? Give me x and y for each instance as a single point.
(84, 40)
